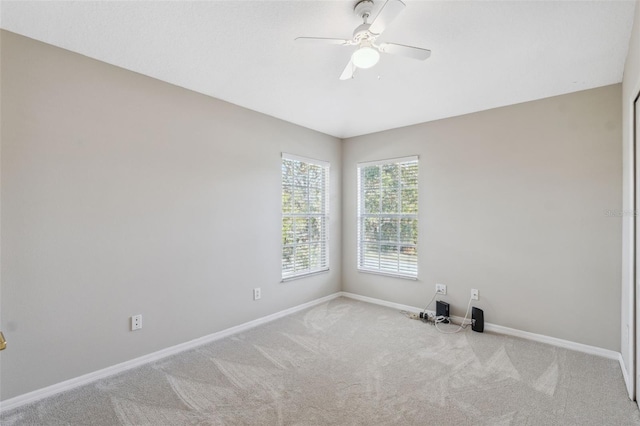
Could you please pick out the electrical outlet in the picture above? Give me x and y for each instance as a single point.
(136, 322)
(475, 294)
(257, 294)
(441, 289)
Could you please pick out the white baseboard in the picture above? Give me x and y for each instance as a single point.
(561, 343)
(48, 391)
(625, 374)
(380, 302)
(579, 347)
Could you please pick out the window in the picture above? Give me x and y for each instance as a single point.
(388, 217)
(305, 216)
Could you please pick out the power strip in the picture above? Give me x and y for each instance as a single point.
(427, 317)
(422, 316)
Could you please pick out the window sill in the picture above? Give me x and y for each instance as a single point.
(310, 274)
(390, 274)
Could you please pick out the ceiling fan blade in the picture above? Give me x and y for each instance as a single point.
(408, 51)
(320, 40)
(348, 71)
(388, 13)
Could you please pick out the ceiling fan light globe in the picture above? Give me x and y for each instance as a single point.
(365, 57)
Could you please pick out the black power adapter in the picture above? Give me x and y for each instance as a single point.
(477, 319)
(442, 310)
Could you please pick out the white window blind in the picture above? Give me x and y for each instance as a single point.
(305, 216)
(388, 217)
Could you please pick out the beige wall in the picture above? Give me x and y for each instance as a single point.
(124, 195)
(630, 89)
(512, 202)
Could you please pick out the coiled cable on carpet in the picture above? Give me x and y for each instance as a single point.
(460, 327)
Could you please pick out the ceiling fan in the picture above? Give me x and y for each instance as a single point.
(364, 37)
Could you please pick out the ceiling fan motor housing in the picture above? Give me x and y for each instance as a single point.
(361, 33)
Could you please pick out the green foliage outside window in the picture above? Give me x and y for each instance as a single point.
(388, 217)
(304, 217)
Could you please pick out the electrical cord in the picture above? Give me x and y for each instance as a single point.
(424, 317)
(460, 327)
(424, 311)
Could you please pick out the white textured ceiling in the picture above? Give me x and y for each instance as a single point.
(485, 54)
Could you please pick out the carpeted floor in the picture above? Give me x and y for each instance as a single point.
(352, 363)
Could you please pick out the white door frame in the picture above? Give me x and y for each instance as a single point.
(635, 288)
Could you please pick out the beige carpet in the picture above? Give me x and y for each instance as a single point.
(352, 363)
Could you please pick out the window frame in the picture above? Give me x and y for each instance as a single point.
(322, 215)
(398, 216)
